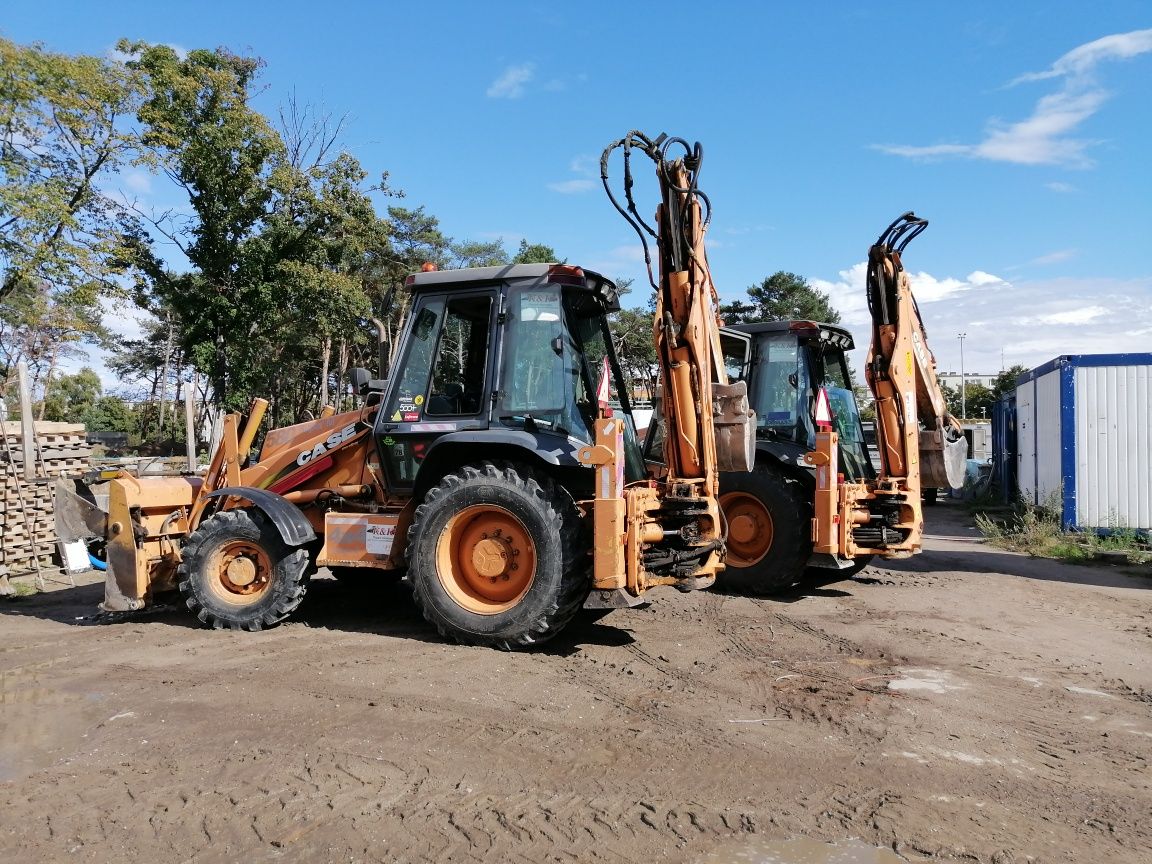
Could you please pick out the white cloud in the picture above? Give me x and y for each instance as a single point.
(1082, 315)
(1082, 59)
(1057, 186)
(586, 167)
(1027, 322)
(139, 182)
(1045, 137)
(1055, 257)
(571, 187)
(510, 84)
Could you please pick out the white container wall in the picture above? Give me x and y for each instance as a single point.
(1114, 456)
(1084, 425)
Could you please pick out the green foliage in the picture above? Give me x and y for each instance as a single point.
(71, 396)
(535, 253)
(632, 338)
(289, 267)
(978, 400)
(1036, 530)
(63, 131)
(781, 297)
(1005, 382)
(39, 325)
(111, 414)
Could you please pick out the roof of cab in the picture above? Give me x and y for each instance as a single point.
(785, 326)
(500, 272)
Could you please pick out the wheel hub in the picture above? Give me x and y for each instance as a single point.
(490, 558)
(749, 528)
(486, 559)
(241, 571)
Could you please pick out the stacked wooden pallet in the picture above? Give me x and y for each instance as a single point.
(27, 533)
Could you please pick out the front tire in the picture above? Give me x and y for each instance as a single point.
(238, 572)
(769, 539)
(495, 557)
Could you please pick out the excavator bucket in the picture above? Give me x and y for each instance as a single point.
(942, 461)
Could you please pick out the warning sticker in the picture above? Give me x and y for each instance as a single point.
(378, 539)
(418, 400)
(411, 416)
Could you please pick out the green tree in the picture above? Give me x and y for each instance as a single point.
(781, 297)
(535, 253)
(978, 400)
(201, 132)
(476, 253)
(72, 397)
(110, 414)
(63, 131)
(632, 338)
(1005, 382)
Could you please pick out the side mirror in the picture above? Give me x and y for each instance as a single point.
(360, 378)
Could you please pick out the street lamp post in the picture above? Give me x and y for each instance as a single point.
(963, 389)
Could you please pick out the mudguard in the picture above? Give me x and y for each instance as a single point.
(551, 447)
(294, 528)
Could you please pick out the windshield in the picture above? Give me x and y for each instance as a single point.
(779, 386)
(554, 350)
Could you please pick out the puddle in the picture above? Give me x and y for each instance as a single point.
(1087, 692)
(932, 680)
(800, 850)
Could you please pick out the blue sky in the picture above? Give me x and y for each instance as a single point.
(1022, 131)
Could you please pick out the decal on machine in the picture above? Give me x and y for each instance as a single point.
(378, 539)
(333, 440)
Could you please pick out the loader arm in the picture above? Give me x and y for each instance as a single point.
(921, 444)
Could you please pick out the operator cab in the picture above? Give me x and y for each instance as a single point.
(510, 356)
(791, 361)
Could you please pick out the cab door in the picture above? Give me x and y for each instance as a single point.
(443, 381)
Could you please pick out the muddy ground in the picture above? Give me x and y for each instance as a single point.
(969, 704)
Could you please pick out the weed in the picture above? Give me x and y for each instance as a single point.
(1035, 529)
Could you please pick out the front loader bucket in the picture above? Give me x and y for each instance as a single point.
(942, 462)
(78, 511)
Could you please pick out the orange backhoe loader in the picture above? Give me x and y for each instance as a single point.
(488, 467)
(814, 499)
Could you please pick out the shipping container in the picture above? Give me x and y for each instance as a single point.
(1084, 439)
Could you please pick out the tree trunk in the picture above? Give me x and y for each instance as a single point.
(325, 354)
(341, 372)
(164, 379)
(48, 381)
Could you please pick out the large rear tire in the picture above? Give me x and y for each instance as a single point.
(238, 572)
(495, 557)
(769, 539)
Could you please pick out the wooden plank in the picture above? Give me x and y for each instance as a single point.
(28, 430)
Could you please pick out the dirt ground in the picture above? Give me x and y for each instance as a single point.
(968, 705)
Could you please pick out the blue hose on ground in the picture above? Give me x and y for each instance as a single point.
(96, 563)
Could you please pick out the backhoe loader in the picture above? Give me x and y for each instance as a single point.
(814, 499)
(488, 466)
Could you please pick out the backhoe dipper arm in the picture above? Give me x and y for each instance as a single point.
(673, 531)
(686, 326)
(901, 372)
(920, 443)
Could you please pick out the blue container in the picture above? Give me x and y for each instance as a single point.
(1084, 439)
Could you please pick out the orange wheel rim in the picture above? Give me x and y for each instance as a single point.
(749, 528)
(485, 559)
(239, 572)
